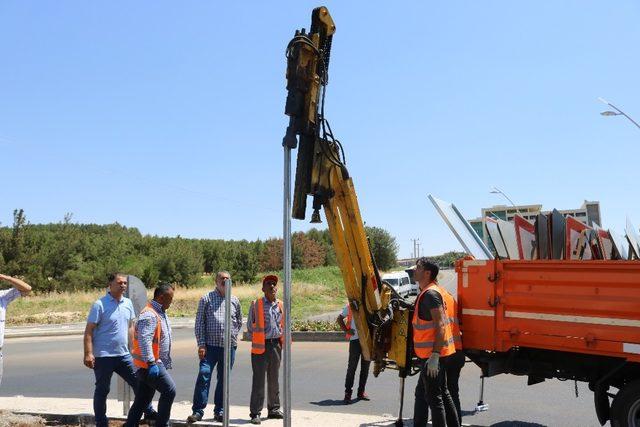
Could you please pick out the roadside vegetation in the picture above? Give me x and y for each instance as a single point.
(71, 257)
(315, 291)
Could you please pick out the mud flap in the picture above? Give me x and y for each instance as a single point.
(601, 401)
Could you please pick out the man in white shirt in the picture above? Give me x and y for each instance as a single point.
(348, 325)
(20, 288)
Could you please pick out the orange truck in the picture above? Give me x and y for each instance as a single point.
(576, 320)
(570, 320)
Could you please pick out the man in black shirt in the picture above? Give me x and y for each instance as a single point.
(431, 390)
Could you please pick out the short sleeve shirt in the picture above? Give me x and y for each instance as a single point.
(112, 317)
(6, 296)
(345, 313)
(431, 299)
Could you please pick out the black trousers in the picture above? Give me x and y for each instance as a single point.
(355, 354)
(432, 393)
(454, 365)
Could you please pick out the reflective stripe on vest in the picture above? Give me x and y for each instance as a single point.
(349, 318)
(452, 314)
(424, 331)
(136, 353)
(258, 337)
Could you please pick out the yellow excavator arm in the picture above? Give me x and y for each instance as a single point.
(381, 316)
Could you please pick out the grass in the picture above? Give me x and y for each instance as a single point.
(314, 291)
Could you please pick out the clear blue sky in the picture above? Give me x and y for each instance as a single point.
(168, 116)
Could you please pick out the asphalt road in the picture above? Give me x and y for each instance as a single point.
(47, 367)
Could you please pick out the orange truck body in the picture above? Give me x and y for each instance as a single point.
(589, 307)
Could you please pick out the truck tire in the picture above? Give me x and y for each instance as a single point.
(625, 410)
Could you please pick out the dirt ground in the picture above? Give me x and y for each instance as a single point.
(9, 419)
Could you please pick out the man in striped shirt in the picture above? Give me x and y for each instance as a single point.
(209, 330)
(152, 354)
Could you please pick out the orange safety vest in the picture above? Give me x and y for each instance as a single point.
(155, 343)
(258, 336)
(424, 331)
(452, 315)
(348, 319)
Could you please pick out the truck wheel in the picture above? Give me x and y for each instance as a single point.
(625, 410)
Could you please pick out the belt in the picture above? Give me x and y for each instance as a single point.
(273, 340)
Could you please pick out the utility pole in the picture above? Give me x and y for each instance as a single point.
(415, 247)
(418, 249)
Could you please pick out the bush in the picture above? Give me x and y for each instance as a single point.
(314, 326)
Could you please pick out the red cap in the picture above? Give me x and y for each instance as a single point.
(270, 278)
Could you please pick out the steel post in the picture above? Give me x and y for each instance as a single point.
(227, 350)
(287, 285)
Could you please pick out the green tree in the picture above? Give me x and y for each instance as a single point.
(383, 247)
(178, 262)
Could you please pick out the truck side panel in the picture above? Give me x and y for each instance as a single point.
(590, 307)
(475, 298)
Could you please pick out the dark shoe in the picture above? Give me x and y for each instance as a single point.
(347, 398)
(275, 414)
(255, 419)
(363, 396)
(151, 416)
(194, 418)
(218, 417)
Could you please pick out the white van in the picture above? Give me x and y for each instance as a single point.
(400, 281)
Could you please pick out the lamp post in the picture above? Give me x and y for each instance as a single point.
(496, 190)
(618, 112)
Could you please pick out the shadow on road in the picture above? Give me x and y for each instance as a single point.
(516, 424)
(409, 423)
(329, 402)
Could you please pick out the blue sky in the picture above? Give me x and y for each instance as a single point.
(169, 117)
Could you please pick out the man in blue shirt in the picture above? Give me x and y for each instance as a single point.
(209, 329)
(106, 348)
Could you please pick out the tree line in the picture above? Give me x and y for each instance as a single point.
(67, 256)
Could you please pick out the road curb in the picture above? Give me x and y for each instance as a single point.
(310, 336)
(89, 420)
(65, 329)
(78, 329)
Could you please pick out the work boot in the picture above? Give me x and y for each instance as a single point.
(255, 419)
(275, 414)
(194, 418)
(219, 417)
(347, 398)
(362, 395)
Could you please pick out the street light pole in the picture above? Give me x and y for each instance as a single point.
(618, 112)
(496, 190)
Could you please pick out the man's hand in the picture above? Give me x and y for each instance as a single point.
(433, 364)
(202, 352)
(89, 361)
(154, 371)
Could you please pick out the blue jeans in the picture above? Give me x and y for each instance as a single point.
(146, 389)
(215, 355)
(103, 370)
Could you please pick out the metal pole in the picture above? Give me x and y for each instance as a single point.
(399, 421)
(126, 394)
(496, 190)
(227, 350)
(287, 285)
